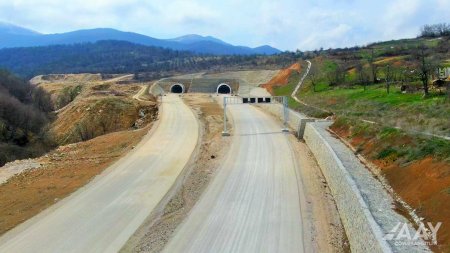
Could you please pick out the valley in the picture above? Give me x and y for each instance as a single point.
(114, 141)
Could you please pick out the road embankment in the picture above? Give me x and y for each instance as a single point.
(365, 207)
(101, 216)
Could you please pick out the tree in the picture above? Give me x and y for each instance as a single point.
(425, 65)
(336, 73)
(42, 100)
(436, 30)
(389, 76)
(373, 66)
(314, 76)
(361, 74)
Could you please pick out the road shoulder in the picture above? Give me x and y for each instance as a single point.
(323, 227)
(158, 228)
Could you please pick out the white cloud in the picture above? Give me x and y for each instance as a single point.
(335, 37)
(398, 15)
(287, 24)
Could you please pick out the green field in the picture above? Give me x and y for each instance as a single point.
(411, 112)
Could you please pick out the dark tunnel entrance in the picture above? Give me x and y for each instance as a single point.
(177, 88)
(224, 89)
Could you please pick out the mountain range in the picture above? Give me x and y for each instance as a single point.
(16, 36)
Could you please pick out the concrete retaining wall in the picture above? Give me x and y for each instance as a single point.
(296, 120)
(363, 232)
(156, 90)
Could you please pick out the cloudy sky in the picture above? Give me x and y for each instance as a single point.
(285, 24)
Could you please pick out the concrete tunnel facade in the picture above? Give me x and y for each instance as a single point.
(223, 88)
(177, 88)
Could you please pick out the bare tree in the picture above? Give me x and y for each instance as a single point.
(362, 75)
(448, 91)
(373, 66)
(425, 66)
(389, 76)
(41, 99)
(313, 76)
(436, 30)
(337, 76)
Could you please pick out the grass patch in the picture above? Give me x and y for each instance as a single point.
(411, 112)
(386, 142)
(435, 147)
(312, 111)
(286, 90)
(447, 191)
(389, 132)
(389, 151)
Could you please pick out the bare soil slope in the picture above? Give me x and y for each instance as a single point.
(95, 106)
(282, 77)
(104, 121)
(423, 183)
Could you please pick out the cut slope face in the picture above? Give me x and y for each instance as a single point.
(29, 186)
(58, 174)
(90, 106)
(248, 79)
(282, 77)
(423, 183)
(103, 215)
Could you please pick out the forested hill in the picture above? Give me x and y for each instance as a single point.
(24, 113)
(118, 57)
(16, 36)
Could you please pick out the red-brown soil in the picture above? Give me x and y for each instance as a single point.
(282, 78)
(63, 171)
(424, 184)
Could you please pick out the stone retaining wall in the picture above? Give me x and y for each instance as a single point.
(363, 233)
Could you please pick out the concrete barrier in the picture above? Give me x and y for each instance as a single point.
(363, 233)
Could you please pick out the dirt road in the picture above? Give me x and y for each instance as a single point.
(255, 202)
(294, 93)
(103, 215)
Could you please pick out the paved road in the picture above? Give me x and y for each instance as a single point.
(103, 215)
(253, 203)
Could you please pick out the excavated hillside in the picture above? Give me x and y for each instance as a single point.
(99, 122)
(90, 107)
(282, 77)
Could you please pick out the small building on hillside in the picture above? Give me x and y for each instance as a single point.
(444, 73)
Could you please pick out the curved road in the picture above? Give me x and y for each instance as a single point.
(102, 216)
(254, 202)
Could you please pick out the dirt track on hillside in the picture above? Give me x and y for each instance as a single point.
(282, 77)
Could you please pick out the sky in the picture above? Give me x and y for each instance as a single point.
(285, 24)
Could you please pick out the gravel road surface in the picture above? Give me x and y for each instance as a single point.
(254, 202)
(101, 216)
